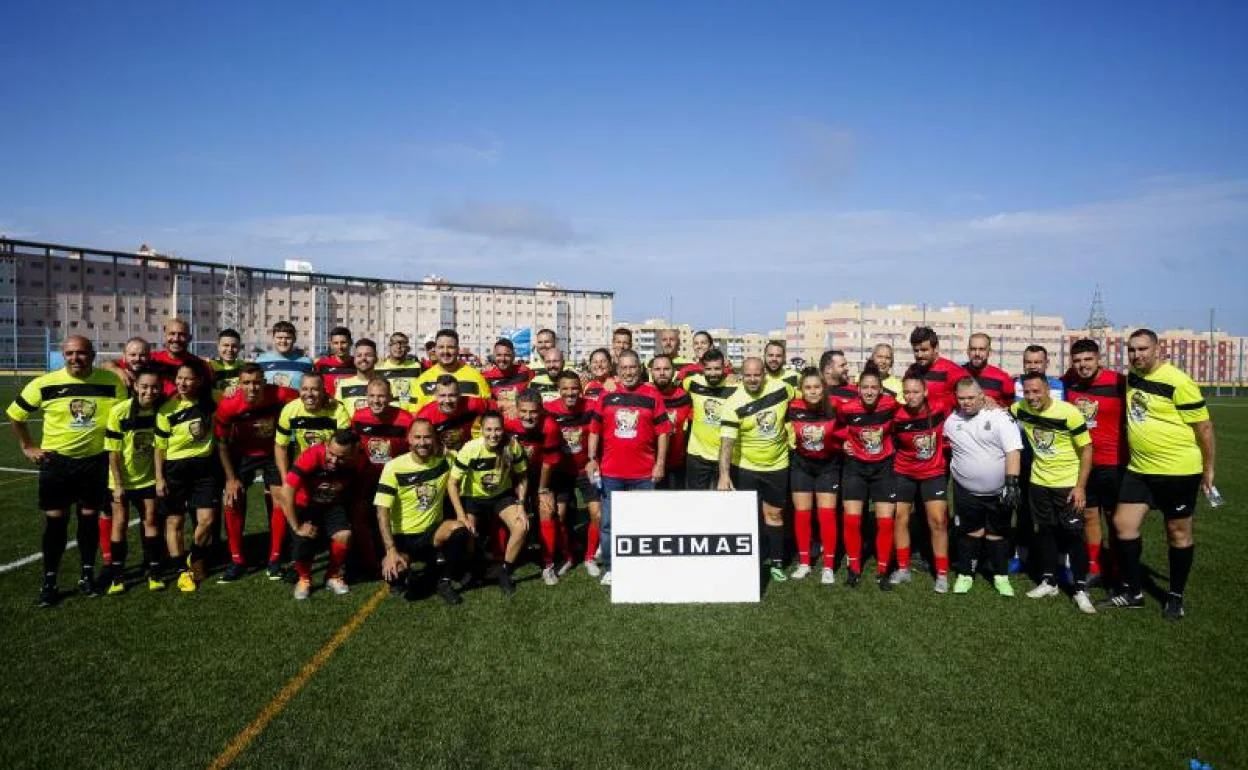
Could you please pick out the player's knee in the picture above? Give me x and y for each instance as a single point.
(1179, 532)
(342, 537)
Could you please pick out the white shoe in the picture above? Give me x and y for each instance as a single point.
(549, 577)
(801, 573)
(564, 568)
(606, 578)
(1084, 603)
(829, 576)
(592, 569)
(942, 584)
(598, 555)
(1043, 591)
(899, 577)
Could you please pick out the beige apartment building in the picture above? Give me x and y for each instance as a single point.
(49, 291)
(856, 327)
(1210, 358)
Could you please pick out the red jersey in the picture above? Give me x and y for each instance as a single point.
(249, 429)
(920, 440)
(630, 422)
(869, 429)
(837, 397)
(505, 386)
(538, 443)
(382, 437)
(1100, 400)
(166, 365)
(941, 378)
(594, 389)
(814, 433)
(455, 429)
(573, 428)
(679, 407)
(332, 369)
(317, 486)
(996, 383)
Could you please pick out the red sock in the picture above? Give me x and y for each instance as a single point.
(801, 531)
(1094, 558)
(883, 544)
(105, 524)
(548, 540)
(827, 535)
(942, 565)
(853, 542)
(903, 558)
(591, 541)
(501, 534)
(338, 551)
(234, 532)
(304, 570)
(277, 533)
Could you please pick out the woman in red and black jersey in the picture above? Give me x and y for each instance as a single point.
(918, 433)
(814, 472)
(868, 473)
(601, 375)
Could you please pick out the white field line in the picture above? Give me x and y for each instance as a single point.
(19, 470)
(34, 557)
(10, 422)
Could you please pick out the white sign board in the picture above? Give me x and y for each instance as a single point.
(681, 547)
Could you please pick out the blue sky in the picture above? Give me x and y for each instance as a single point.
(1001, 154)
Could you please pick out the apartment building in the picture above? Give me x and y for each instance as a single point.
(1210, 358)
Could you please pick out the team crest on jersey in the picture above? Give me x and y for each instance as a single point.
(873, 440)
(1139, 406)
(360, 403)
(82, 412)
(626, 423)
(425, 494)
(402, 388)
(766, 422)
(671, 417)
(452, 439)
(230, 390)
(711, 414)
(264, 428)
(490, 481)
(311, 438)
(378, 451)
(143, 444)
(198, 429)
(572, 440)
(1043, 439)
(1088, 408)
(282, 379)
(812, 438)
(326, 491)
(925, 446)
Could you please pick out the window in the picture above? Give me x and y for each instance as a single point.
(106, 308)
(73, 268)
(56, 267)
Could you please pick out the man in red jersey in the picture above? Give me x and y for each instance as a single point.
(453, 416)
(627, 442)
(1099, 393)
(339, 364)
(563, 471)
(940, 373)
(245, 424)
(321, 489)
(679, 407)
(166, 361)
(537, 436)
(996, 383)
(506, 377)
(383, 429)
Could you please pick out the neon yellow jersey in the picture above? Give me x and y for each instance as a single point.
(402, 377)
(1056, 435)
(892, 386)
(471, 383)
(131, 433)
(543, 384)
(183, 429)
(413, 492)
(479, 471)
(786, 376)
(225, 378)
(708, 405)
(1161, 408)
(74, 410)
(756, 423)
(308, 428)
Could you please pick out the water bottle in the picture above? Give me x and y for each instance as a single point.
(595, 478)
(1214, 497)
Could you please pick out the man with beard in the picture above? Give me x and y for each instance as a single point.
(996, 383)
(353, 391)
(678, 405)
(545, 380)
(708, 391)
(669, 345)
(939, 372)
(401, 370)
(773, 361)
(454, 416)
(307, 421)
(166, 362)
(506, 377)
(446, 349)
(339, 363)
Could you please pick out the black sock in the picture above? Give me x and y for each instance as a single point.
(1045, 546)
(88, 540)
(198, 553)
(998, 557)
(1180, 568)
(453, 552)
(151, 554)
(1129, 552)
(775, 543)
(509, 567)
(968, 553)
(1077, 546)
(55, 536)
(120, 548)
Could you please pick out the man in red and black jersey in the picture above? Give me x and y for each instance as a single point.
(679, 407)
(506, 378)
(537, 435)
(814, 472)
(339, 364)
(453, 416)
(166, 362)
(245, 424)
(563, 471)
(1099, 393)
(834, 369)
(383, 430)
(919, 468)
(940, 373)
(320, 491)
(996, 383)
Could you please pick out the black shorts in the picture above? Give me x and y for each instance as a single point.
(135, 499)
(248, 467)
(927, 490)
(418, 546)
(485, 507)
(566, 487)
(701, 474)
(329, 519)
(68, 481)
(1103, 485)
(861, 480)
(1049, 507)
(818, 476)
(673, 479)
(194, 483)
(1174, 496)
(772, 486)
(974, 512)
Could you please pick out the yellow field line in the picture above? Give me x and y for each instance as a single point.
(252, 731)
